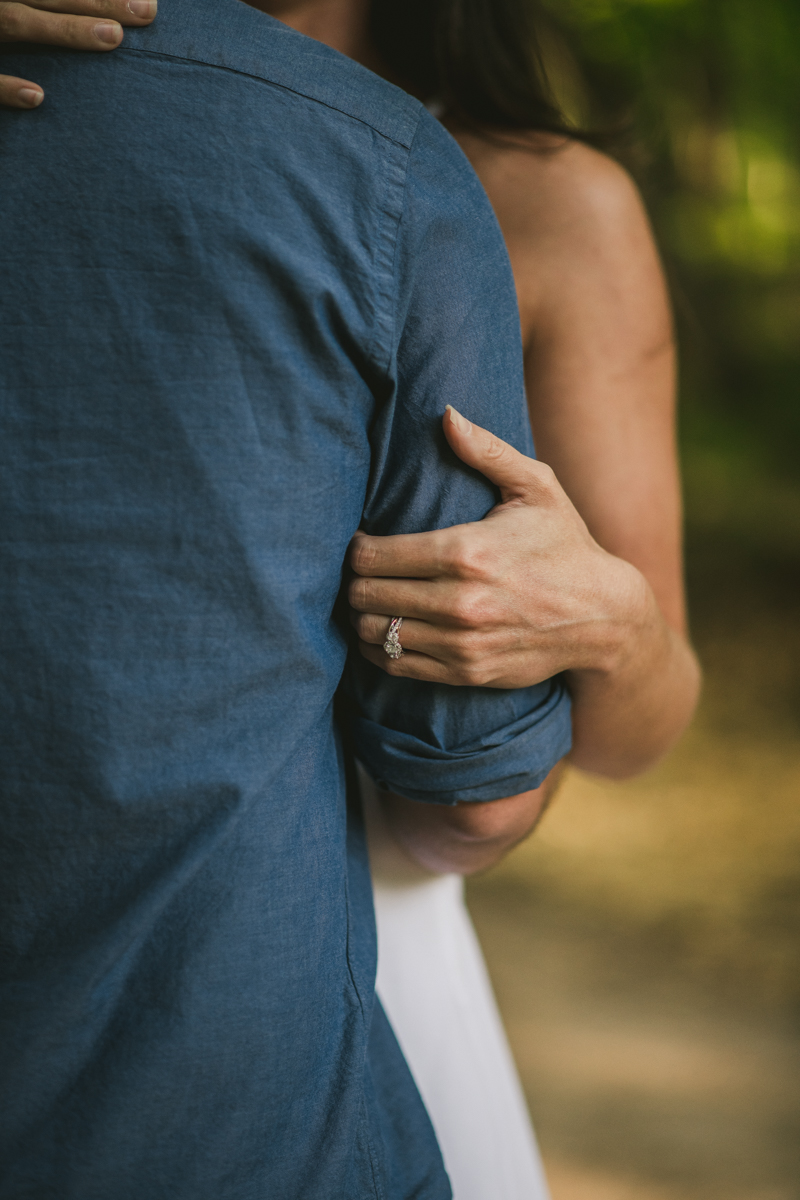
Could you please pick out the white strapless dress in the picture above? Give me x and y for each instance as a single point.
(434, 986)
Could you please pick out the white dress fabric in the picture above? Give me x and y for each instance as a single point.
(434, 986)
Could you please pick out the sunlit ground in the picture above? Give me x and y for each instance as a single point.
(645, 945)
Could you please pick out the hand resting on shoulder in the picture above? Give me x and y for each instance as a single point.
(72, 24)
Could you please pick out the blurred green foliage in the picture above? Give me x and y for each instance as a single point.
(691, 874)
(702, 99)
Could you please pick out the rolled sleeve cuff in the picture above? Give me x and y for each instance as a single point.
(513, 759)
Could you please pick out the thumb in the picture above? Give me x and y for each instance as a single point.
(516, 475)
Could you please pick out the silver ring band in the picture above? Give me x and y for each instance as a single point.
(392, 644)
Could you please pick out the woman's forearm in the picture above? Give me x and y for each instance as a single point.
(468, 837)
(630, 708)
(525, 595)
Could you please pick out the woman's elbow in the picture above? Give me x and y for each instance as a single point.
(470, 836)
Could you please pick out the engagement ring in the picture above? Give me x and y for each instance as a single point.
(392, 644)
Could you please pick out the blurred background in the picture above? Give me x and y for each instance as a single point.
(645, 945)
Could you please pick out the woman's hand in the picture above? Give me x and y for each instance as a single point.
(523, 595)
(504, 602)
(75, 24)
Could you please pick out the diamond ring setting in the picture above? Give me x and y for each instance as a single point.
(392, 644)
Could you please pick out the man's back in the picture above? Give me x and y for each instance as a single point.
(203, 385)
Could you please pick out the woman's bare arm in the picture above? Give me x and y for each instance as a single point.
(524, 595)
(525, 591)
(599, 350)
(468, 837)
(600, 376)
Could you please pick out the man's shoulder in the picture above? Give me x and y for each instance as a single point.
(231, 35)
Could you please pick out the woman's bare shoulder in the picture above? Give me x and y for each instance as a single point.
(549, 191)
(577, 233)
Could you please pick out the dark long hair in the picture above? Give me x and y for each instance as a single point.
(481, 58)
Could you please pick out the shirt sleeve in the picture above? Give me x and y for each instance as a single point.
(456, 341)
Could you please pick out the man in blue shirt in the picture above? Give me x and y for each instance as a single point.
(242, 278)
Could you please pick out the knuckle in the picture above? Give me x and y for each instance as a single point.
(471, 608)
(465, 609)
(468, 556)
(462, 609)
(372, 628)
(362, 556)
(470, 659)
(361, 625)
(12, 22)
(467, 649)
(471, 675)
(357, 594)
(495, 448)
(546, 477)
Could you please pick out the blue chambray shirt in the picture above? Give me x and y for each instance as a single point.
(242, 277)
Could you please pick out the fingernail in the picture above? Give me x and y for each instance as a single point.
(461, 423)
(108, 32)
(143, 9)
(30, 97)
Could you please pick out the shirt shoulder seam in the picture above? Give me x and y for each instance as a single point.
(386, 262)
(395, 247)
(160, 54)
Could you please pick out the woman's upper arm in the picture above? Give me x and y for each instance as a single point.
(600, 358)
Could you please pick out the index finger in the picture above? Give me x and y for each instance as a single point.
(409, 555)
